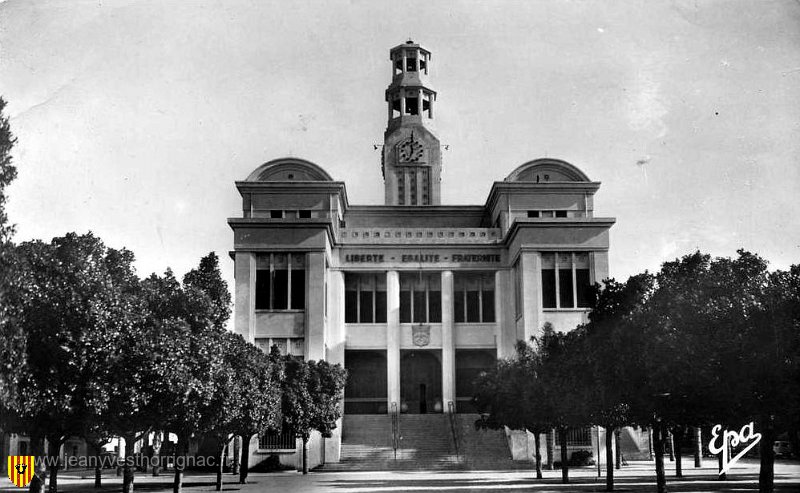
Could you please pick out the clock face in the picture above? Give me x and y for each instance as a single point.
(410, 150)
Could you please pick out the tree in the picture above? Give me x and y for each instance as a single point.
(772, 338)
(694, 335)
(215, 306)
(564, 366)
(187, 343)
(260, 377)
(510, 395)
(613, 366)
(11, 335)
(74, 289)
(246, 399)
(221, 413)
(311, 396)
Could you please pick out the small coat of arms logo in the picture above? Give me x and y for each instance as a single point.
(421, 335)
(20, 469)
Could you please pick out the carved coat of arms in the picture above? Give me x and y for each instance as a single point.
(421, 335)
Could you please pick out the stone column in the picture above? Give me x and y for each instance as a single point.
(315, 318)
(244, 322)
(448, 342)
(335, 318)
(393, 338)
(531, 293)
(336, 344)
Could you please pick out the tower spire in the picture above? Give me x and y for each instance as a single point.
(411, 153)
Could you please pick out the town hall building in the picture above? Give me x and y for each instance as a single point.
(413, 297)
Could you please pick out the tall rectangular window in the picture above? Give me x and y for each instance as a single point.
(298, 289)
(280, 289)
(350, 299)
(583, 280)
(548, 286)
(263, 282)
(565, 288)
(405, 305)
(473, 297)
(280, 281)
(420, 298)
(365, 298)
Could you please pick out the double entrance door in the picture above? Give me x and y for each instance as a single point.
(420, 381)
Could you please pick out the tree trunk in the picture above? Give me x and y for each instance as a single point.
(220, 462)
(181, 450)
(658, 445)
(53, 453)
(156, 463)
(53, 488)
(98, 466)
(698, 447)
(671, 444)
(549, 439)
(237, 446)
(618, 448)
(537, 444)
(305, 455)
(127, 469)
(40, 468)
(766, 474)
(609, 459)
(245, 465)
(676, 442)
(562, 438)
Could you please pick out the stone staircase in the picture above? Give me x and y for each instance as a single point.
(485, 449)
(426, 443)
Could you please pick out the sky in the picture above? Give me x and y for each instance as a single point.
(135, 118)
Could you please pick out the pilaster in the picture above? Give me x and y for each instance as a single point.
(505, 326)
(244, 322)
(315, 306)
(531, 264)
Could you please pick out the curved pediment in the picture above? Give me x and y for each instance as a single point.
(289, 169)
(547, 170)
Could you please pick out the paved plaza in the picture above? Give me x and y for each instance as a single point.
(638, 476)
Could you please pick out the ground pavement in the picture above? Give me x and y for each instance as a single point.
(636, 477)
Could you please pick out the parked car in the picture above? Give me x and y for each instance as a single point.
(782, 449)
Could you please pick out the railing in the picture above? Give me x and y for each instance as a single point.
(277, 441)
(377, 235)
(451, 411)
(579, 437)
(395, 428)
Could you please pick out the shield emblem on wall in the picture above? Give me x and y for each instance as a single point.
(20, 469)
(421, 335)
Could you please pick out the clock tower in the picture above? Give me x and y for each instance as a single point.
(412, 159)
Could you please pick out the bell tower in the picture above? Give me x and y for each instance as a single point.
(412, 158)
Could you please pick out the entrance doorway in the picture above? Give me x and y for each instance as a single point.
(421, 381)
(469, 364)
(365, 390)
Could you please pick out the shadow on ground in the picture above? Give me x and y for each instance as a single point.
(739, 484)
